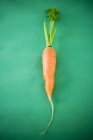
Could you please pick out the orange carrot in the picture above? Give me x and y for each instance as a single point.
(49, 63)
(49, 66)
(49, 60)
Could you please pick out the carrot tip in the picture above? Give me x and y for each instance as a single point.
(51, 119)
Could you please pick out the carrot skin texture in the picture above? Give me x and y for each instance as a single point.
(49, 67)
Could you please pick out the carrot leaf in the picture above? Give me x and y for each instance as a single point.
(53, 14)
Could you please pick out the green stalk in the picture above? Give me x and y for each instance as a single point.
(46, 35)
(49, 37)
(53, 35)
(51, 28)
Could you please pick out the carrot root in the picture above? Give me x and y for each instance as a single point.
(51, 119)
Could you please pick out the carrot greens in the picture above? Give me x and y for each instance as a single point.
(52, 15)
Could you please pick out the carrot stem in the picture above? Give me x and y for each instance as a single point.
(54, 32)
(51, 119)
(51, 28)
(46, 34)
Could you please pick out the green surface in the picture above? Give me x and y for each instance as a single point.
(24, 107)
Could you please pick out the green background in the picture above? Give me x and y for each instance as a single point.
(24, 107)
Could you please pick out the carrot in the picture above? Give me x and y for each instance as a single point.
(49, 60)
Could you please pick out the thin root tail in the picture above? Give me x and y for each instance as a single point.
(51, 119)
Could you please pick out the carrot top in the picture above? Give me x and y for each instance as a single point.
(52, 15)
